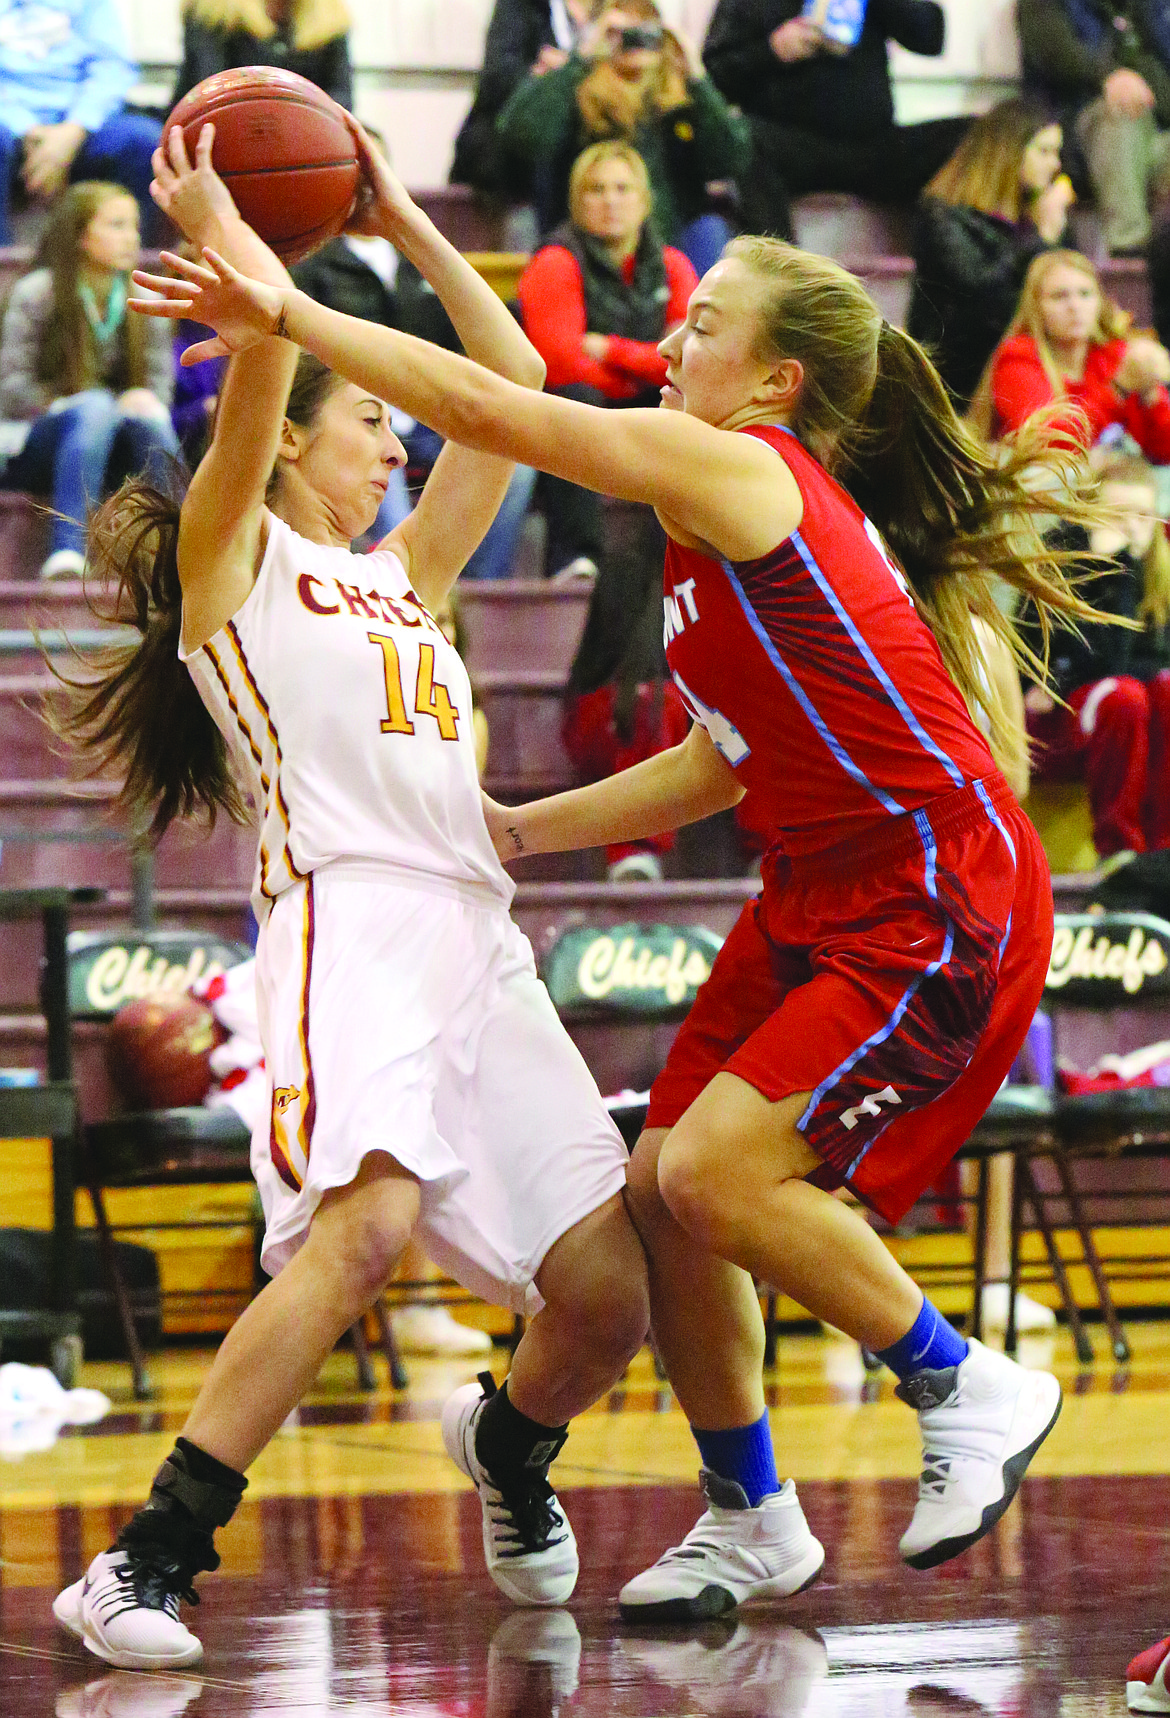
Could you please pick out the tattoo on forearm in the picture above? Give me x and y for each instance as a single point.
(517, 839)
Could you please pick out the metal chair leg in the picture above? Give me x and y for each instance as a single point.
(1092, 1257)
(1039, 1206)
(981, 1193)
(399, 1376)
(771, 1329)
(1011, 1335)
(143, 1389)
(361, 1354)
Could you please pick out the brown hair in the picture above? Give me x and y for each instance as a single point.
(874, 411)
(614, 149)
(68, 358)
(314, 22)
(135, 708)
(1112, 323)
(1121, 467)
(984, 171)
(613, 106)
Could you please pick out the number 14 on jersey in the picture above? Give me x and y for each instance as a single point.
(431, 698)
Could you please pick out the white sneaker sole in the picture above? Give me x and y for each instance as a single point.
(715, 1600)
(1027, 1439)
(69, 1612)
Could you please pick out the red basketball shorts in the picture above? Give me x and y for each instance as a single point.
(893, 978)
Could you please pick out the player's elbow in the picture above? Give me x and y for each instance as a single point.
(531, 373)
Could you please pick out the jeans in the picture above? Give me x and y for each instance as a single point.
(702, 240)
(69, 450)
(119, 150)
(495, 556)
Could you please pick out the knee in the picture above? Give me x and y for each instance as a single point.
(693, 1183)
(363, 1250)
(614, 1308)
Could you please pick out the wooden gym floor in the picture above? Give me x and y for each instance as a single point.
(353, 1579)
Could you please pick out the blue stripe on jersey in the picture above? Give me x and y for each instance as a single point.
(798, 692)
(930, 855)
(875, 667)
(995, 818)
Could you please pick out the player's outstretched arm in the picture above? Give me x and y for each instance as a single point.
(678, 786)
(219, 527)
(731, 491)
(465, 489)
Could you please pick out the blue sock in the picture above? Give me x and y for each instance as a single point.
(744, 1454)
(930, 1344)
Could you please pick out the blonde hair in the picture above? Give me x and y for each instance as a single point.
(984, 171)
(873, 410)
(314, 22)
(613, 106)
(1112, 323)
(612, 150)
(1131, 468)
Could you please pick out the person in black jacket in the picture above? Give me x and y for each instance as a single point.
(523, 36)
(997, 203)
(823, 119)
(1113, 730)
(309, 37)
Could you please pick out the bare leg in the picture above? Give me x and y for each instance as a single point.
(593, 1322)
(279, 1343)
(705, 1311)
(766, 1218)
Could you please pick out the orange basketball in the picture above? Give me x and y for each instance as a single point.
(158, 1051)
(283, 149)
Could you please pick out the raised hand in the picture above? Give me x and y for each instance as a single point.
(384, 205)
(241, 311)
(193, 195)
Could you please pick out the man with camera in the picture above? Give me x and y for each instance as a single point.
(813, 77)
(629, 77)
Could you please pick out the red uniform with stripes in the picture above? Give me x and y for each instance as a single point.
(895, 958)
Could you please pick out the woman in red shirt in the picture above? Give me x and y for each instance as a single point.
(595, 302)
(1068, 340)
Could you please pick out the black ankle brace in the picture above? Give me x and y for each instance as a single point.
(173, 1532)
(510, 1445)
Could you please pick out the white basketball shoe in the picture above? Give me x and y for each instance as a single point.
(982, 1422)
(732, 1553)
(125, 1612)
(528, 1545)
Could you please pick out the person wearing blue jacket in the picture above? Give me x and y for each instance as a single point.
(64, 78)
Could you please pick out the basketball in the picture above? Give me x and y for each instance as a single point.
(283, 149)
(158, 1051)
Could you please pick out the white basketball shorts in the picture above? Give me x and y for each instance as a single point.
(410, 1020)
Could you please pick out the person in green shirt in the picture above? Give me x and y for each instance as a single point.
(631, 78)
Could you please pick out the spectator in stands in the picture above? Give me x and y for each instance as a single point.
(361, 274)
(621, 705)
(1108, 66)
(1068, 341)
(92, 383)
(630, 78)
(309, 37)
(524, 36)
(64, 78)
(1114, 729)
(822, 112)
(998, 202)
(595, 301)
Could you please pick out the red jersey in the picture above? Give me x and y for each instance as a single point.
(814, 675)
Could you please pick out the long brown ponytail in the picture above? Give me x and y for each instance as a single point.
(134, 710)
(874, 411)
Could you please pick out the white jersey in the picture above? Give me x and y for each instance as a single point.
(347, 717)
